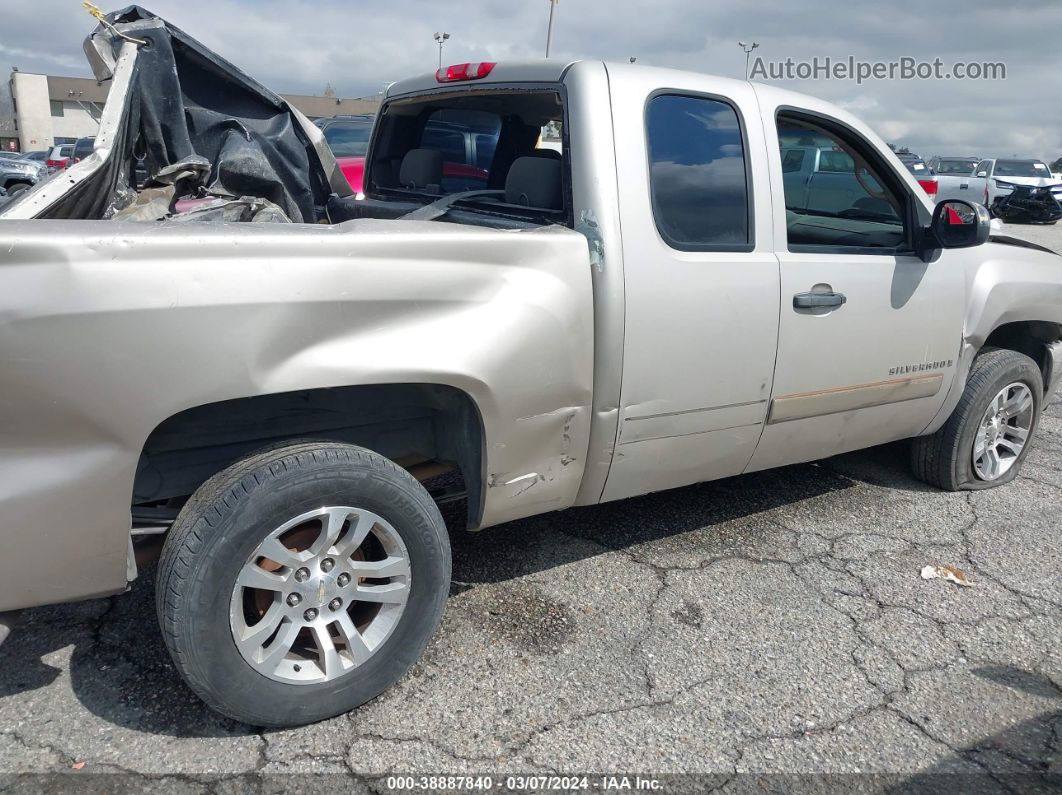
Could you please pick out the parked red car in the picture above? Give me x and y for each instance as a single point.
(348, 138)
(58, 157)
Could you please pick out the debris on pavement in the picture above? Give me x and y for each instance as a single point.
(949, 573)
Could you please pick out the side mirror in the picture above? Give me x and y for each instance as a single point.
(960, 224)
(982, 173)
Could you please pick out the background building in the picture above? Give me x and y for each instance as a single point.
(8, 131)
(40, 111)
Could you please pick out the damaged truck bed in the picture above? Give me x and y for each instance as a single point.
(204, 336)
(215, 144)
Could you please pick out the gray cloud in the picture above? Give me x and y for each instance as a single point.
(302, 45)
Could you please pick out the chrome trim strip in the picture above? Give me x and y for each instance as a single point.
(804, 405)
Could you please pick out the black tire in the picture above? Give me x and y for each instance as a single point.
(17, 188)
(222, 524)
(945, 458)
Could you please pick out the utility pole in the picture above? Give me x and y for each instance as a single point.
(441, 38)
(549, 30)
(748, 48)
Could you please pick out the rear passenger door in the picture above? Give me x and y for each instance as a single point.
(701, 280)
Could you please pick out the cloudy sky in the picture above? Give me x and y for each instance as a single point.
(300, 46)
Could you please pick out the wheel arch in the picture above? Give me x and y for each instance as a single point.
(409, 423)
(1037, 339)
(1040, 340)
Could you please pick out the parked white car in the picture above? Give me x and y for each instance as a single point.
(998, 177)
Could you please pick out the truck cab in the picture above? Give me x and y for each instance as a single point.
(685, 210)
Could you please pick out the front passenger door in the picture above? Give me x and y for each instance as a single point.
(869, 334)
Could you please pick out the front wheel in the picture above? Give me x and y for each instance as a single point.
(985, 441)
(302, 582)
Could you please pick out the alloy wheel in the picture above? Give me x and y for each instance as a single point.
(320, 595)
(1004, 431)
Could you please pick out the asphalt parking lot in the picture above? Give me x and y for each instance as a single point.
(774, 623)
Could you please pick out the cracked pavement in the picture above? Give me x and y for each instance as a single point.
(774, 623)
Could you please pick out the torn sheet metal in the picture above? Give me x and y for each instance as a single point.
(554, 445)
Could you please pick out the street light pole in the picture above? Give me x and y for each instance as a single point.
(748, 48)
(549, 30)
(441, 38)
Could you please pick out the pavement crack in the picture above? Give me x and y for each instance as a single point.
(431, 742)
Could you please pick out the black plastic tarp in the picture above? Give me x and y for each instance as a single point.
(186, 101)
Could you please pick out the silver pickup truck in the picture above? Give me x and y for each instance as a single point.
(953, 176)
(283, 381)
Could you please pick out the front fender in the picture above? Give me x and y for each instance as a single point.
(1005, 284)
(1012, 284)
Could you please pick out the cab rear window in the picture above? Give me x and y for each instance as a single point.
(956, 167)
(506, 145)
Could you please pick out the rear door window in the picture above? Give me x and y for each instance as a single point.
(697, 173)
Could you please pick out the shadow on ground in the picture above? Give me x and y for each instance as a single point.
(1023, 758)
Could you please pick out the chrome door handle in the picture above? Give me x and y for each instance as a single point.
(819, 300)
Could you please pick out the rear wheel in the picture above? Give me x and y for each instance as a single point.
(17, 188)
(985, 441)
(302, 582)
